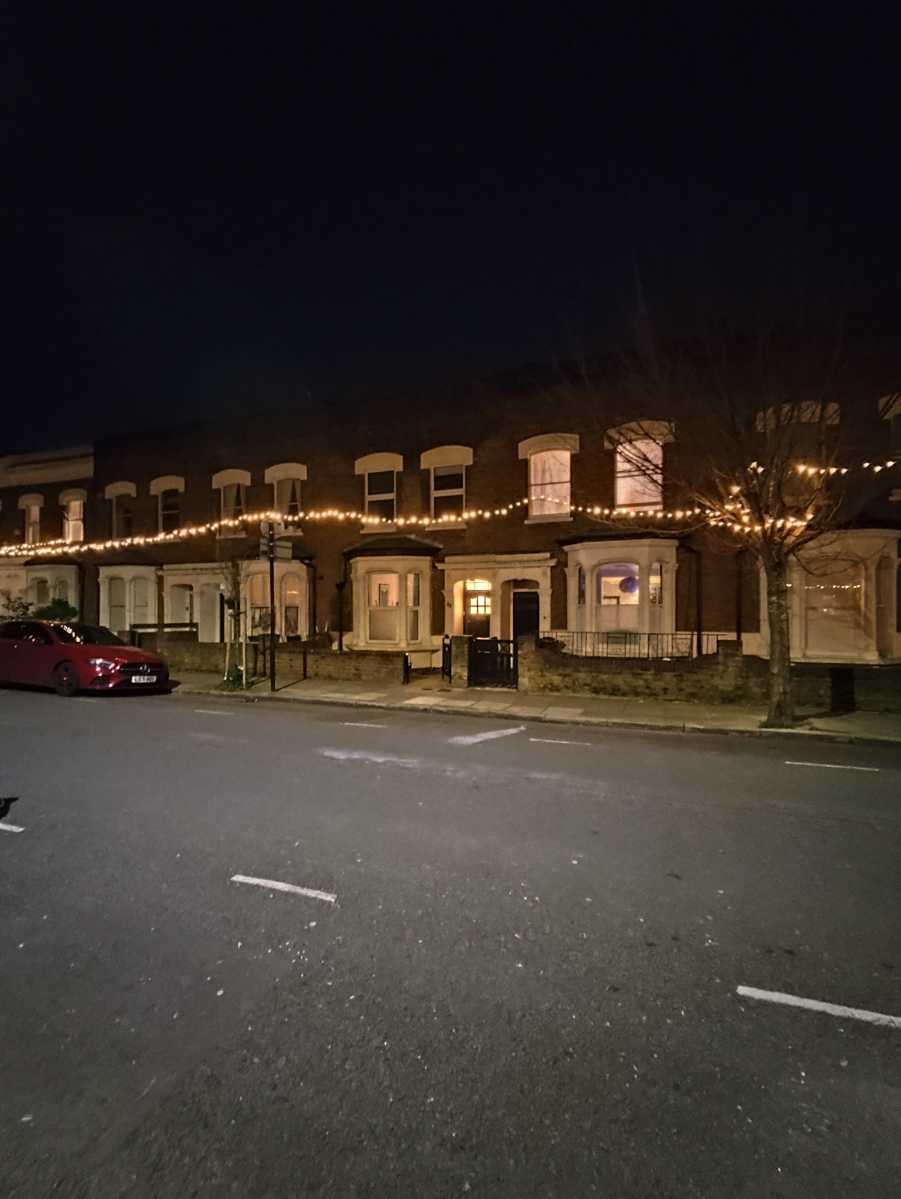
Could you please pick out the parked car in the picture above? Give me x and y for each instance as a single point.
(73, 657)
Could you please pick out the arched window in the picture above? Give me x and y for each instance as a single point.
(639, 462)
(31, 512)
(292, 604)
(72, 503)
(550, 474)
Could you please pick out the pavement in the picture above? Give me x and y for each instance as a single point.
(430, 693)
(512, 963)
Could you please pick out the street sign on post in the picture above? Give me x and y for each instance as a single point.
(269, 529)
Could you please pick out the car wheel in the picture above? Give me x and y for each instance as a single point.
(65, 679)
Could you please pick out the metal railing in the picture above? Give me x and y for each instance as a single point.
(620, 643)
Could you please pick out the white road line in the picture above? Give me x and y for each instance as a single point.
(362, 724)
(835, 766)
(359, 755)
(475, 738)
(557, 741)
(215, 737)
(10, 828)
(274, 885)
(212, 712)
(816, 1005)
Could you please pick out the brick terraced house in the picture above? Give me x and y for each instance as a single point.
(535, 564)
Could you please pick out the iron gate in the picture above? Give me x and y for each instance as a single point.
(492, 663)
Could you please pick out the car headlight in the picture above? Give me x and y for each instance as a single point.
(103, 663)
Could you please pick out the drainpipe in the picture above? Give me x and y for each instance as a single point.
(340, 586)
(739, 598)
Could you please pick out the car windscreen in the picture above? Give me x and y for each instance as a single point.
(86, 634)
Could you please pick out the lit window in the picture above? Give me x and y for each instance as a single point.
(448, 492)
(414, 585)
(380, 494)
(73, 520)
(384, 598)
(479, 605)
(549, 483)
(639, 473)
(32, 523)
(170, 510)
(617, 584)
(655, 584)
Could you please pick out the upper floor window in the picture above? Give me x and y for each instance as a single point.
(31, 514)
(72, 502)
(120, 496)
(232, 487)
(169, 490)
(379, 473)
(639, 462)
(890, 410)
(447, 465)
(287, 480)
(550, 474)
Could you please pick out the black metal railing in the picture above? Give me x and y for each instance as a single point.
(621, 643)
(446, 657)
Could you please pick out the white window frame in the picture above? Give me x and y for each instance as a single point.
(158, 487)
(375, 464)
(544, 442)
(31, 506)
(286, 472)
(232, 487)
(454, 458)
(72, 502)
(619, 438)
(114, 492)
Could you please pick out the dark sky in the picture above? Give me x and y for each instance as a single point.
(208, 214)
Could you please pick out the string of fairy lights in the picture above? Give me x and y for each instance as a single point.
(737, 518)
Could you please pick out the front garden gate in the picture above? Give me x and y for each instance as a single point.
(492, 662)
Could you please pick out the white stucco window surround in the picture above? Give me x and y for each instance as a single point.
(168, 489)
(843, 600)
(30, 506)
(191, 595)
(623, 584)
(392, 602)
(232, 486)
(549, 456)
(128, 596)
(48, 581)
(447, 465)
(638, 446)
(379, 473)
(286, 480)
(477, 586)
(72, 502)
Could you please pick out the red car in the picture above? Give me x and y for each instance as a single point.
(76, 657)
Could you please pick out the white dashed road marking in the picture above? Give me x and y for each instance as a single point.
(362, 724)
(835, 766)
(475, 738)
(557, 741)
(274, 885)
(816, 1005)
(10, 828)
(212, 712)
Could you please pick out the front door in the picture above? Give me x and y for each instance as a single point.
(525, 614)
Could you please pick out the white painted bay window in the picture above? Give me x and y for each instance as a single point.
(550, 474)
(384, 601)
(391, 602)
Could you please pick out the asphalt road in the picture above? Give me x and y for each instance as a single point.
(525, 986)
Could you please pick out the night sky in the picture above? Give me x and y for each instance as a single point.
(215, 216)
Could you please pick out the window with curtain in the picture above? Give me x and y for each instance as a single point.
(233, 501)
(287, 497)
(384, 601)
(73, 520)
(32, 524)
(639, 474)
(550, 483)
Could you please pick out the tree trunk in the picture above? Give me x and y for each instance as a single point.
(781, 709)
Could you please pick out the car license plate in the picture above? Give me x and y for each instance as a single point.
(143, 678)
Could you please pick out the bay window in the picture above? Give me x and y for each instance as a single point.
(384, 598)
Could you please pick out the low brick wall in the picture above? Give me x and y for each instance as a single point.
(360, 665)
(726, 678)
(182, 652)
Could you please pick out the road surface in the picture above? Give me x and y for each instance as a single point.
(511, 966)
